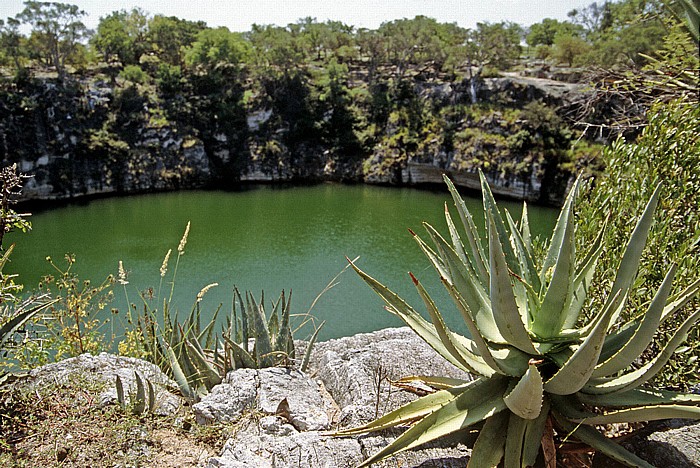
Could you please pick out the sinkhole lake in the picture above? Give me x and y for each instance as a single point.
(261, 238)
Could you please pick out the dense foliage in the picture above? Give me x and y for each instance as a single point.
(302, 99)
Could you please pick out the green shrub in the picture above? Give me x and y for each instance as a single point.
(535, 366)
(134, 73)
(668, 151)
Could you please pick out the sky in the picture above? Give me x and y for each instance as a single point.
(239, 15)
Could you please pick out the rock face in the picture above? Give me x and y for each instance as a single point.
(355, 372)
(282, 417)
(670, 443)
(103, 369)
(86, 137)
(273, 391)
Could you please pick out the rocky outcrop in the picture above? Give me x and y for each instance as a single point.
(282, 417)
(348, 384)
(103, 370)
(669, 443)
(87, 136)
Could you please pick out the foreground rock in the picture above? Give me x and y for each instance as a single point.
(281, 417)
(103, 370)
(669, 443)
(355, 372)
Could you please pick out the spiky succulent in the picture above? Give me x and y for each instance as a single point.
(536, 366)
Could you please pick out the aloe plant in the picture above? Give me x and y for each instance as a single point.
(198, 359)
(535, 364)
(144, 401)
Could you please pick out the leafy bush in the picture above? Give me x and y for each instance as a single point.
(134, 73)
(668, 150)
(536, 368)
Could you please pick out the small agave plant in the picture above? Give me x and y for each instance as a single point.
(536, 366)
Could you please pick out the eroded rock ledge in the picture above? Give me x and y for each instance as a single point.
(281, 416)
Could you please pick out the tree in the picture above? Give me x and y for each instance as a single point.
(60, 29)
(12, 43)
(414, 41)
(620, 32)
(169, 36)
(498, 43)
(546, 31)
(568, 48)
(277, 47)
(217, 47)
(594, 18)
(122, 34)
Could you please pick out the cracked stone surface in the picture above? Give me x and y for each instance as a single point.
(669, 443)
(355, 371)
(104, 369)
(262, 391)
(274, 443)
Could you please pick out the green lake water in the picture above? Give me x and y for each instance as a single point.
(263, 238)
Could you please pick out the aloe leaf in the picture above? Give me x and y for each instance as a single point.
(434, 381)
(505, 310)
(549, 319)
(583, 280)
(472, 234)
(405, 312)
(459, 413)
(576, 371)
(240, 354)
(151, 396)
(598, 441)
(245, 328)
(422, 407)
(525, 400)
(437, 262)
(533, 435)
(490, 445)
(523, 252)
(9, 328)
(526, 295)
(617, 339)
(457, 243)
(514, 441)
(140, 402)
(263, 342)
(178, 374)
(471, 290)
(639, 397)
(644, 413)
(208, 374)
(513, 361)
(479, 364)
(637, 377)
(491, 208)
(680, 300)
(555, 242)
(643, 334)
(451, 262)
(570, 407)
(478, 340)
(285, 338)
(120, 393)
(525, 230)
(452, 346)
(633, 252)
